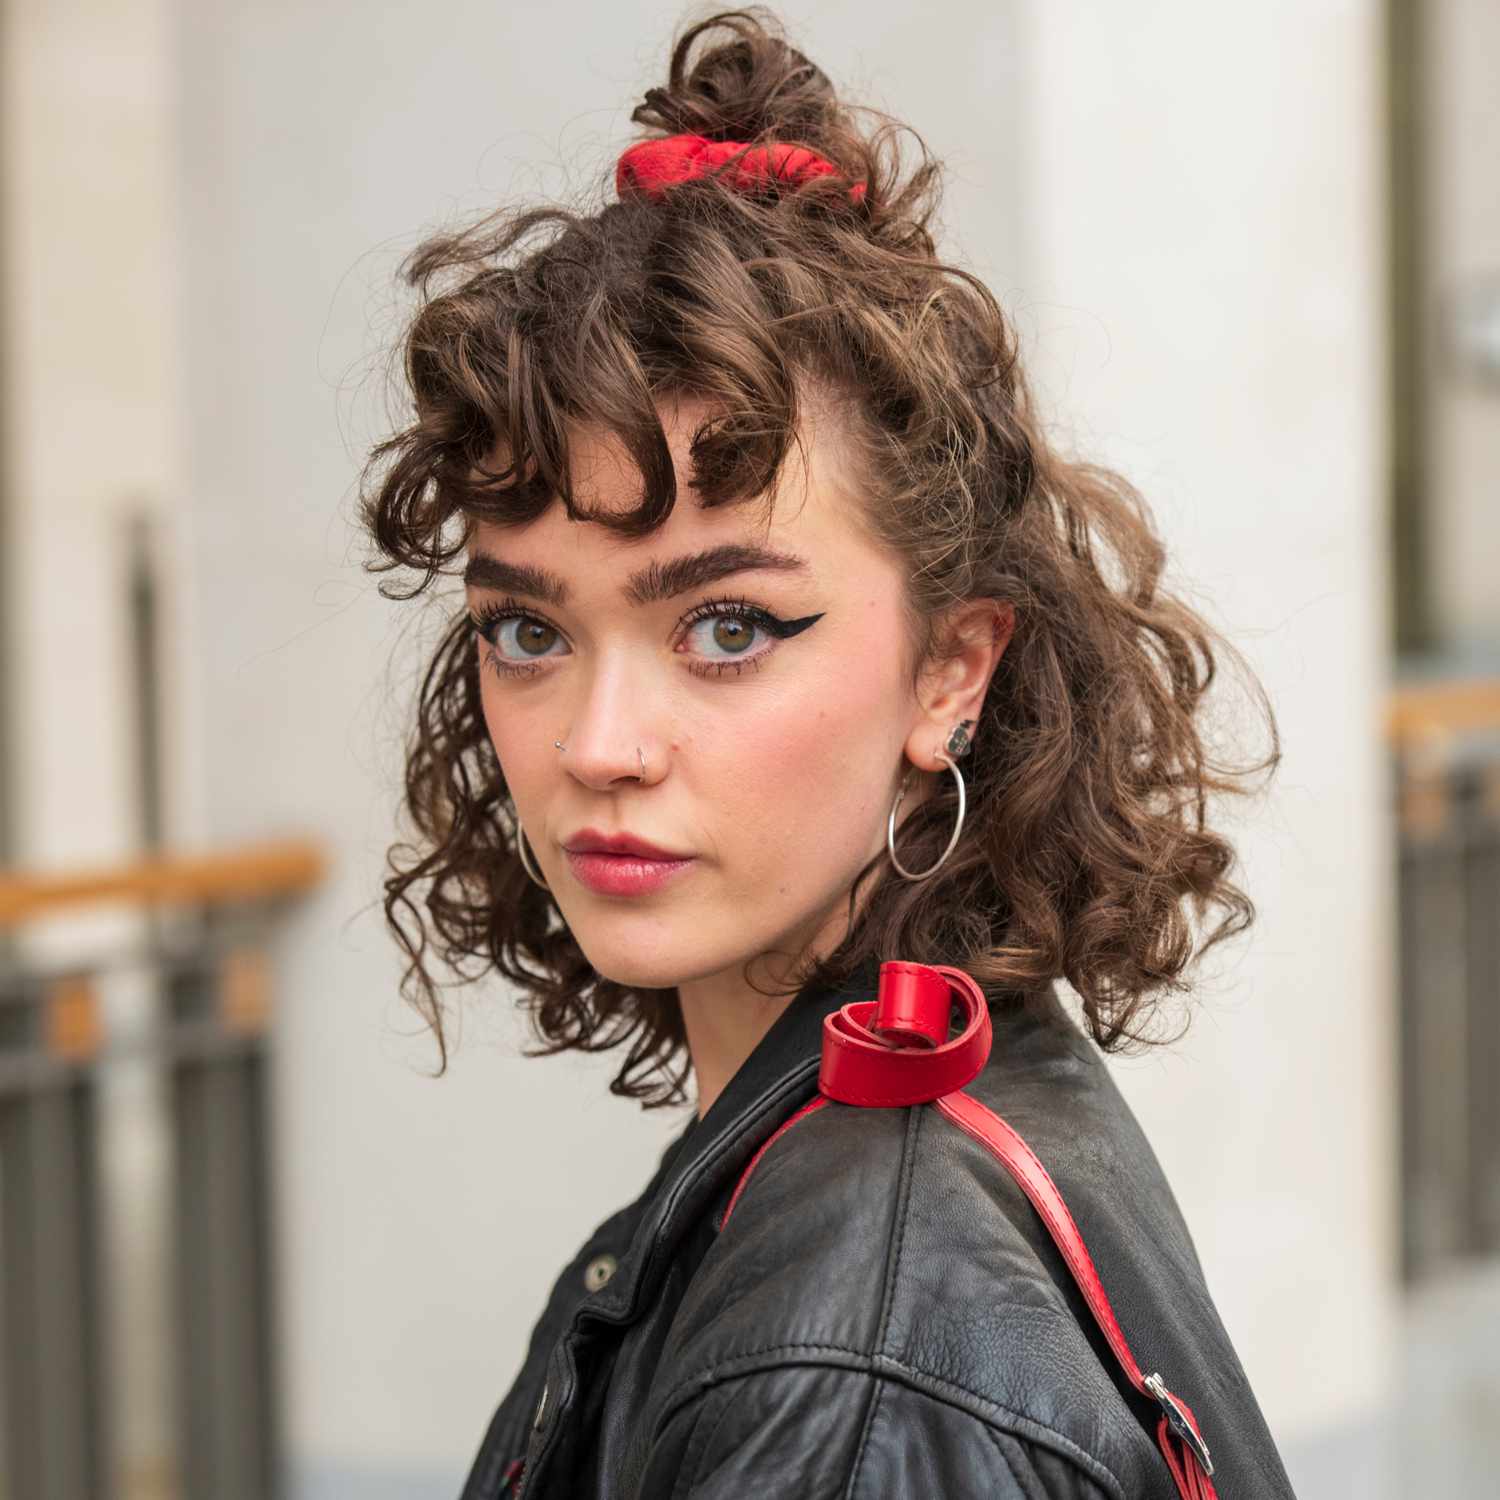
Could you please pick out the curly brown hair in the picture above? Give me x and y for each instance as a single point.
(1090, 769)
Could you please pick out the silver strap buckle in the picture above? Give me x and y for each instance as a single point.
(1177, 1420)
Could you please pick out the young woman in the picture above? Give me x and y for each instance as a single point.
(808, 718)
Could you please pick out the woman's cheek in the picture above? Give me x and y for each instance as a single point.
(500, 722)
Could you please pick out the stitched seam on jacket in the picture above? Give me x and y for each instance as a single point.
(895, 1239)
(885, 1366)
(768, 1105)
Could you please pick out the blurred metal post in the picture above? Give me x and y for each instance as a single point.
(1482, 919)
(56, 1423)
(221, 1209)
(1434, 991)
(1446, 739)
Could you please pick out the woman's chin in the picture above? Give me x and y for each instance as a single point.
(647, 954)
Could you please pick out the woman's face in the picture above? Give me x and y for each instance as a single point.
(771, 762)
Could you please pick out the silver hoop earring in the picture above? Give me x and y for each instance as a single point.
(958, 745)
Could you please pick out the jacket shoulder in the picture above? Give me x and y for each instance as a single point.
(834, 1433)
(887, 1242)
(891, 1241)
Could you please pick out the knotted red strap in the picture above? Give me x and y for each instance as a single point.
(650, 167)
(895, 1050)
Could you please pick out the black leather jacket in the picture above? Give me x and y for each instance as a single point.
(884, 1314)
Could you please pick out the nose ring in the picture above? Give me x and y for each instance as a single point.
(638, 751)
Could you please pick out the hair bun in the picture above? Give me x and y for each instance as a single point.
(756, 86)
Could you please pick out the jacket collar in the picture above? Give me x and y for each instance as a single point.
(780, 1074)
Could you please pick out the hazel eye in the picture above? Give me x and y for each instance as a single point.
(492, 623)
(531, 636)
(731, 626)
(728, 630)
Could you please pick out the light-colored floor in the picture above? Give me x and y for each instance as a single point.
(1449, 1424)
(1442, 1439)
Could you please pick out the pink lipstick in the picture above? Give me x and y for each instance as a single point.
(623, 874)
(621, 864)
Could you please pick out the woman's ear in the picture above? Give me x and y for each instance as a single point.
(953, 688)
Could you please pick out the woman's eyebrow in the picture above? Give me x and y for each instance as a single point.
(657, 580)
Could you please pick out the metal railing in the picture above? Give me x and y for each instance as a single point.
(1445, 736)
(200, 1038)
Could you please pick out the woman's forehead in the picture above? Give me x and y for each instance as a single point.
(806, 525)
(605, 478)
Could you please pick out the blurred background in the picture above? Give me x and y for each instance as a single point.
(248, 1246)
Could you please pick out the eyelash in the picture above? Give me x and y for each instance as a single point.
(488, 616)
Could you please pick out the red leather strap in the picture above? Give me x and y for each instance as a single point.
(895, 1050)
(1192, 1468)
(750, 1166)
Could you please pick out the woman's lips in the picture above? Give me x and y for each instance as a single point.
(622, 874)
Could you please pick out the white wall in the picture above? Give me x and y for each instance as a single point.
(1202, 190)
(89, 438)
(91, 398)
(1460, 66)
(1180, 203)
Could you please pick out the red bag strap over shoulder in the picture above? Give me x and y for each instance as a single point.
(896, 1050)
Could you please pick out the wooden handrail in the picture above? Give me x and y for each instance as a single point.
(257, 872)
(1417, 711)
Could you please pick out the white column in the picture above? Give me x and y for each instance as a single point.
(1202, 191)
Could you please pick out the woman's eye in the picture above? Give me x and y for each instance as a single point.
(516, 639)
(732, 633)
(721, 634)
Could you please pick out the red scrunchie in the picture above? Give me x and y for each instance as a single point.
(652, 166)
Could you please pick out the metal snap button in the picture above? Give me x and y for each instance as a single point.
(539, 1419)
(599, 1270)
